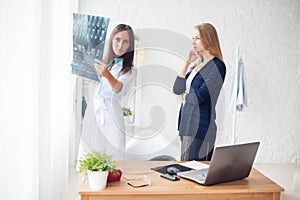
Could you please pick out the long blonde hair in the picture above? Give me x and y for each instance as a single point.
(209, 39)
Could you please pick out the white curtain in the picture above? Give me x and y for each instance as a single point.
(36, 87)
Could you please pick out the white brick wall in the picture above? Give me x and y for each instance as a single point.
(268, 34)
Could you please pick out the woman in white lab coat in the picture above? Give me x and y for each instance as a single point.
(104, 127)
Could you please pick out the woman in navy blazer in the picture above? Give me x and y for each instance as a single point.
(200, 88)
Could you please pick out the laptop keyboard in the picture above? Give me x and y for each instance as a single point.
(195, 175)
(200, 177)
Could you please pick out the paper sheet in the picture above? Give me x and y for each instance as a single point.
(195, 164)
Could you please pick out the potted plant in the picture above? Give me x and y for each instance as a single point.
(127, 113)
(97, 165)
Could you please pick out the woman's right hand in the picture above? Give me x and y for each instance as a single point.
(100, 67)
(192, 56)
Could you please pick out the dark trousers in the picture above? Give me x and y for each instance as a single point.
(196, 149)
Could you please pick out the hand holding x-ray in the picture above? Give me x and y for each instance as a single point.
(100, 66)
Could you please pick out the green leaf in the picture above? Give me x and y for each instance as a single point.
(126, 111)
(97, 161)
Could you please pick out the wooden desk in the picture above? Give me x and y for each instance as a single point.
(255, 187)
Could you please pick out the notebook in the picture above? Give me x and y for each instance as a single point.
(228, 163)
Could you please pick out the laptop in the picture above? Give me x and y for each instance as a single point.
(228, 163)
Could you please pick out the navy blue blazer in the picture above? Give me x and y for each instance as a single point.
(197, 116)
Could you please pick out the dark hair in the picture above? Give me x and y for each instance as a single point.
(128, 56)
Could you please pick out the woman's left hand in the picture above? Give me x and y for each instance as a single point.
(100, 66)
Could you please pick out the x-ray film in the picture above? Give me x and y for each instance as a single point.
(89, 34)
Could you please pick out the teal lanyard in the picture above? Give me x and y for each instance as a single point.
(117, 60)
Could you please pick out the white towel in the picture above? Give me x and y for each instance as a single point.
(241, 95)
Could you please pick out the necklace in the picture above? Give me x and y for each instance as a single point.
(198, 66)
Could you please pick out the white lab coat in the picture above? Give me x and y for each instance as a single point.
(103, 125)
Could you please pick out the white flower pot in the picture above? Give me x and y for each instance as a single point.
(97, 180)
(126, 119)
